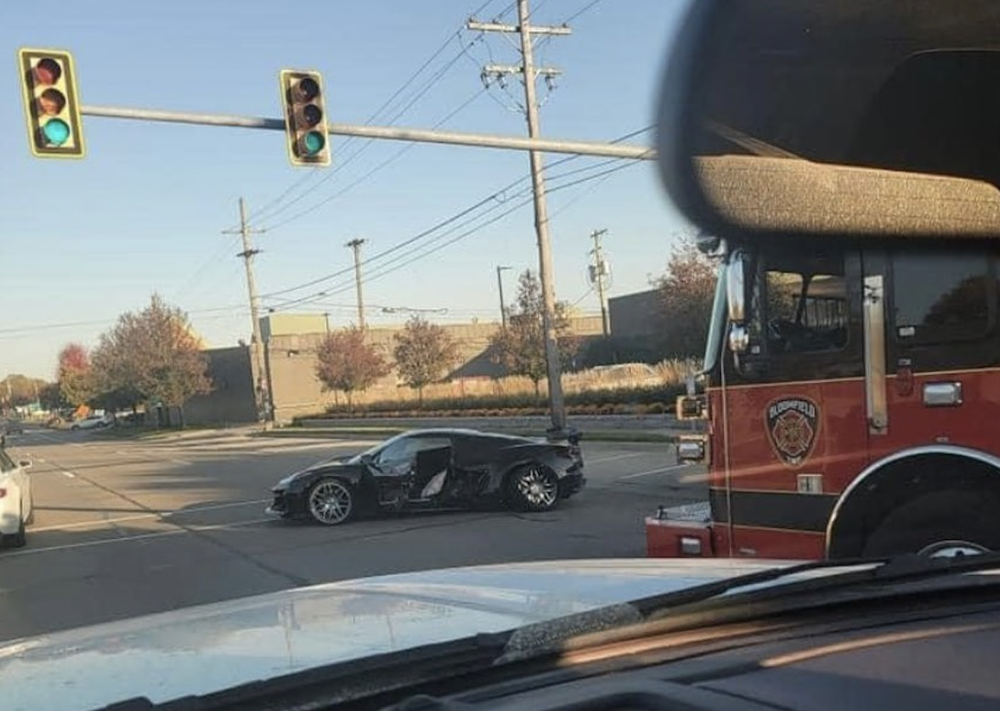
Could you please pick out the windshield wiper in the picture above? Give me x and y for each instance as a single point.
(904, 568)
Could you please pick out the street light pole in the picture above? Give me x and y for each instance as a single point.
(503, 306)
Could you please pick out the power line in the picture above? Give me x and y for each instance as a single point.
(495, 196)
(18, 330)
(365, 176)
(347, 161)
(382, 269)
(378, 112)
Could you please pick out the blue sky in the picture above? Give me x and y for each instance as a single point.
(86, 240)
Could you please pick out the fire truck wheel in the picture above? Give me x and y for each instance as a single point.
(939, 525)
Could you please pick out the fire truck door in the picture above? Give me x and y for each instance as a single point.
(809, 403)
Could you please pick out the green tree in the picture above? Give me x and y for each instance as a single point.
(74, 375)
(50, 396)
(18, 390)
(348, 363)
(424, 352)
(150, 355)
(687, 291)
(520, 347)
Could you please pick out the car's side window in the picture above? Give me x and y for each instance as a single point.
(405, 451)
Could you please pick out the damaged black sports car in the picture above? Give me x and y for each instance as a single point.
(435, 468)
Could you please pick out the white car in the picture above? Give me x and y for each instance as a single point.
(16, 508)
(91, 422)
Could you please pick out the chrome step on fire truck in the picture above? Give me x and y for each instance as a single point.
(851, 388)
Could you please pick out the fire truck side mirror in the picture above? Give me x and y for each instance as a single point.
(736, 289)
(736, 299)
(692, 407)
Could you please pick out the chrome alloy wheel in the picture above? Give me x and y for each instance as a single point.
(331, 502)
(537, 488)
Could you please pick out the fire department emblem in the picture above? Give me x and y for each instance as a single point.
(792, 425)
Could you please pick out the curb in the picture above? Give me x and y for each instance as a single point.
(381, 432)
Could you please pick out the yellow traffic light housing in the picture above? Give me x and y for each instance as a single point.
(303, 102)
(51, 103)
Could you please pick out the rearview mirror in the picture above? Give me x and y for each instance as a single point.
(834, 117)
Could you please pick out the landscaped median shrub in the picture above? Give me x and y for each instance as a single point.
(639, 400)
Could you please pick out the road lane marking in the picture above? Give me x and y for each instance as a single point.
(69, 475)
(661, 470)
(137, 537)
(182, 462)
(141, 517)
(616, 457)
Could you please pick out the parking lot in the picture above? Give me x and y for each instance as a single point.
(126, 527)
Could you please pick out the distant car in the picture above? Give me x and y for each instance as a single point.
(91, 422)
(16, 504)
(434, 468)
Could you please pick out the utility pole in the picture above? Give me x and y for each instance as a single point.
(355, 244)
(598, 275)
(503, 306)
(530, 74)
(256, 345)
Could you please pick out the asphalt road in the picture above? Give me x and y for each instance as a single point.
(124, 528)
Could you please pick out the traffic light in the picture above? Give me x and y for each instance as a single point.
(51, 103)
(303, 101)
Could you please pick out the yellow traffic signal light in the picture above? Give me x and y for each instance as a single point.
(303, 101)
(51, 103)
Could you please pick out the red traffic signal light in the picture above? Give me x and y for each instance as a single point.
(51, 103)
(305, 117)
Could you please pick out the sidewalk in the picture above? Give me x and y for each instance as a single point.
(610, 428)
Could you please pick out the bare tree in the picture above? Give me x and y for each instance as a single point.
(520, 347)
(347, 363)
(424, 352)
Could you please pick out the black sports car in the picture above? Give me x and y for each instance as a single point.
(435, 468)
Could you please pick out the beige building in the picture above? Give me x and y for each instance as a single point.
(290, 358)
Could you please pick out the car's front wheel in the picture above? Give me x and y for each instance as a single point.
(331, 501)
(533, 487)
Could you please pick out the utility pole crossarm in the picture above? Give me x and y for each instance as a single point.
(477, 26)
(518, 69)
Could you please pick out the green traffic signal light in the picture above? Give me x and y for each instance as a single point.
(313, 142)
(55, 132)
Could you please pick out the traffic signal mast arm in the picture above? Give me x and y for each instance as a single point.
(392, 133)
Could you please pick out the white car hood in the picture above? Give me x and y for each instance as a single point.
(209, 648)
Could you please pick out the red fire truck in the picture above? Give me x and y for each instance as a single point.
(851, 387)
(845, 161)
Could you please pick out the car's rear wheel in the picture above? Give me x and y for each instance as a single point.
(331, 501)
(533, 487)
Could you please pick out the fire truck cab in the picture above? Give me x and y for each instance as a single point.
(850, 401)
(844, 165)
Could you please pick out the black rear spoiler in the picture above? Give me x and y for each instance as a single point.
(569, 434)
